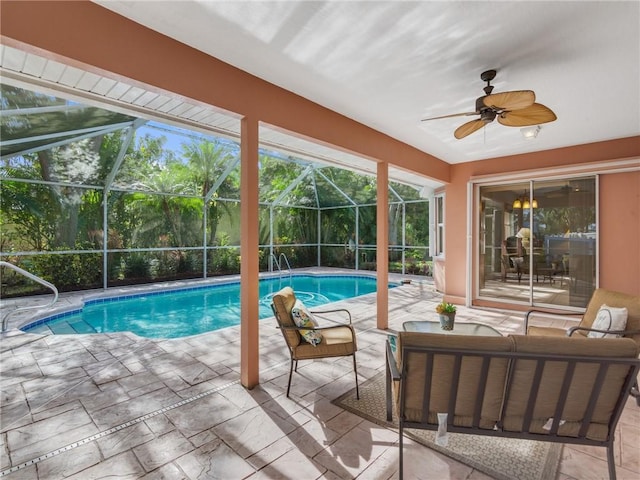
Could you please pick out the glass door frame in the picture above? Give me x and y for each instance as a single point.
(477, 243)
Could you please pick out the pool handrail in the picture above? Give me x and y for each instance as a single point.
(278, 262)
(286, 260)
(36, 279)
(275, 261)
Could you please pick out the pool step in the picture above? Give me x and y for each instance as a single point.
(61, 328)
(71, 328)
(80, 326)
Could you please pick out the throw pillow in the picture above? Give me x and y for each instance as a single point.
(609, 318)
(302, 318)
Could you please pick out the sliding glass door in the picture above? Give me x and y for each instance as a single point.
(537, 242)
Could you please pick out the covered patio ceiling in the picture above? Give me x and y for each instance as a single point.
(117, 103)
(390, 64)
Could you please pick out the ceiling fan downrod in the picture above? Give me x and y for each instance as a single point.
(487, 77)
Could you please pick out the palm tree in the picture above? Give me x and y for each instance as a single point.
(208, 162)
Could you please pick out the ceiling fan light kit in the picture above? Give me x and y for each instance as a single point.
(512, 109)
(530, 132)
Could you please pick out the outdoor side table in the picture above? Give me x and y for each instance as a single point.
(459, 328)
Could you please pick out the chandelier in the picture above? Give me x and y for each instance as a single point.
(523, 202)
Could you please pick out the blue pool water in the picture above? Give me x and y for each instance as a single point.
(191, 311)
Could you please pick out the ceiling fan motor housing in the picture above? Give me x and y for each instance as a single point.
(487, 114)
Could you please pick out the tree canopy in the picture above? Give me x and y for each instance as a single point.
(170, 197)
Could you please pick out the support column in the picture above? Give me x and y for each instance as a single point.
(249, 265)
(382, 245)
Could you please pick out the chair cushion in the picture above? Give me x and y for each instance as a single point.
(302, 318)
(549, 331)
(443, 371)
(551, 384)
(336, 342)
(283, 302)
(609, 318)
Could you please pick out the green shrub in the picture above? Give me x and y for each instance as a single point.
(137, 266)
(88, 269)
(71, 271)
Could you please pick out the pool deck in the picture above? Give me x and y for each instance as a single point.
(121, 406)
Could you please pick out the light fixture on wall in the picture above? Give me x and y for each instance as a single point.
(523, 202)
(530, 133)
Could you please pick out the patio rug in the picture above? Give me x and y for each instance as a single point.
(500, 458)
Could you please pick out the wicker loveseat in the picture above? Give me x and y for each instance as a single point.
(556, 389)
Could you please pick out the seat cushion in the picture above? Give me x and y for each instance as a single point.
(549, 331)
(336, 342)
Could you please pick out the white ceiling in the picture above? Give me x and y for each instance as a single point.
(388, 64)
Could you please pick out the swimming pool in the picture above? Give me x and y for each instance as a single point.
(195, 310)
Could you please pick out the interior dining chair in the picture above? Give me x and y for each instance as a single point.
(334, 341)
(509, 267)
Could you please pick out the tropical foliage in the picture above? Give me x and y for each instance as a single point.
(172, 207)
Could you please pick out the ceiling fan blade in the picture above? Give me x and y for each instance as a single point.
(468, 128)
(515, 100)
(450, 116)
(533, 115)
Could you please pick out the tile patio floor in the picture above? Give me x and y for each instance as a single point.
(119, 406)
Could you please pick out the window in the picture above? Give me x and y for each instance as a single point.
(437, 230)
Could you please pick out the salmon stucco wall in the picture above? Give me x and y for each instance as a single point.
(620, 232)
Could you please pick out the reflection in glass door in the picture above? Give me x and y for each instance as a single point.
(538, 242)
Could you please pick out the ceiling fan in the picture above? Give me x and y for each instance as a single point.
(513, 109)
(563, 191)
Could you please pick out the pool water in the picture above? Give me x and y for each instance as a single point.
(191, 311)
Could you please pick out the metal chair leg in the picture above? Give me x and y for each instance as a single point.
(635, 392)
(355, 370)
(400, 462)
(290, 374)
(611, 463)
(388, 394)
